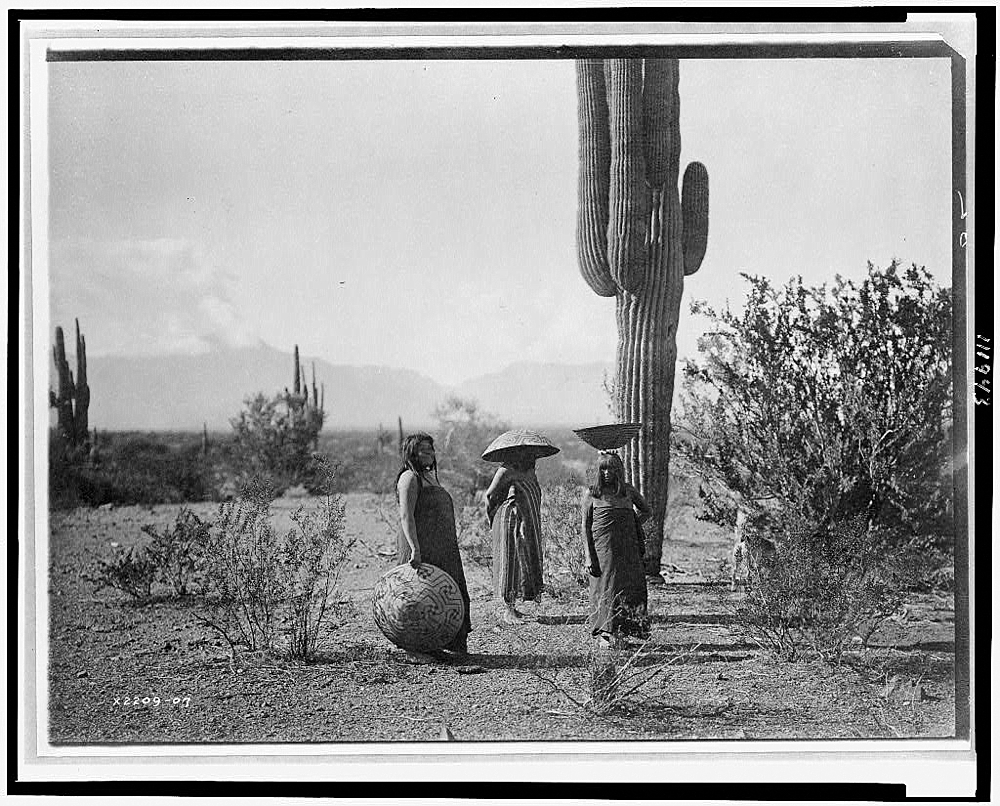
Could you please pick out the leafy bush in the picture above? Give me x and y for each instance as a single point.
(364, 471)
(463, 433)
(311, 558)
(143, 470)
(242, 573)
(828, 408)
(177, 553)
(562, 546)
(276, 437)
(823, 591)
(130, 570)
(261, 583)
(171, 557)
(133, 469)
(821, 400)
(474, 536)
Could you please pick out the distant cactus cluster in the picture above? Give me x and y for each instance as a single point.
(71, 400)
(301, 408)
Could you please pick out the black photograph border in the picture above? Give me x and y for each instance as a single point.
(968, 309)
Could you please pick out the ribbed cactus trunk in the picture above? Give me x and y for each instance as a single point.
(62, 399)
(300, 407)
(637, 238)
(81, 410)
(297, 383)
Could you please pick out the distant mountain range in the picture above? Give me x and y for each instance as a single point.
(183, 392)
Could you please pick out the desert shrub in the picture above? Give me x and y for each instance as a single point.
(171, 557)
(311, 557)
(241, 565)
(562, 546)
(929, 566)
(824, 590)
(364, 471)
(828, 407)
(821, 399)
(615, 672)
(133, 469)
(261, 583)
(474, 536)
(177, 552)
(463, 433)
(361, 463)
(553, 471)
(130, 570)
(276, 437)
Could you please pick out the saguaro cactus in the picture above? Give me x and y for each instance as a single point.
(72, 398)
(297, 383)
(300, 407)
(637, 238)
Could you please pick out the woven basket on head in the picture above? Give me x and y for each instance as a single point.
(519, 439)
(608, 437)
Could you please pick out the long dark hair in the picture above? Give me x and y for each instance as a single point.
(408, 453)
(613, 462)
(522, 459)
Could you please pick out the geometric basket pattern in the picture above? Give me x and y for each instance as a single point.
(419, 609)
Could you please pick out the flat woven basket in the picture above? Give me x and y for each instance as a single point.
(519, 439)
(609, 437)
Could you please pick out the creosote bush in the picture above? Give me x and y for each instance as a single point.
(562, 546)
(462, 434)
(276, 437)
(824, 592)
(474, 536)
(171, 557)
(312, 556)
(177, 552)
(828, 412)
(262, 584)
(130, 570)
(133, 469)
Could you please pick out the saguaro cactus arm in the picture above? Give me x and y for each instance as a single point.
(296, 384)
(81, 411)
(694, 214)
(595, 165)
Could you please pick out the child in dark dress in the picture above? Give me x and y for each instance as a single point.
(612, 514)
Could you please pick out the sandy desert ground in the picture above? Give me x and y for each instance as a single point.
(119, 672)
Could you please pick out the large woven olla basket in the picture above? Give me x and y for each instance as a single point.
(419, 609)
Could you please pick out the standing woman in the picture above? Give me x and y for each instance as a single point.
(514, 511)
(427, 527)
(613, 512)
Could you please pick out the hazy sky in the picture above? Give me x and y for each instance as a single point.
(422, 214)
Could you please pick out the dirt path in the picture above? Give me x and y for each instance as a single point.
(123, 673)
